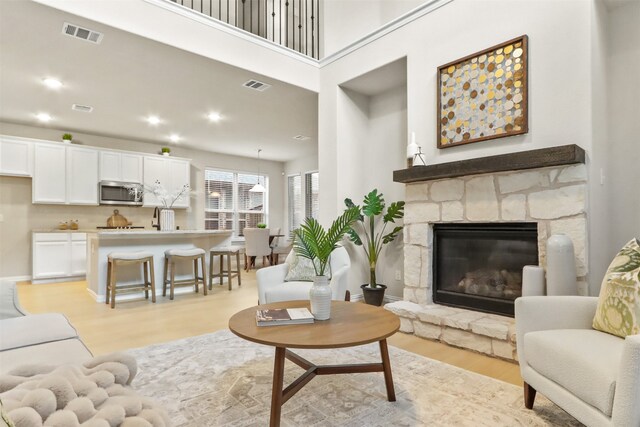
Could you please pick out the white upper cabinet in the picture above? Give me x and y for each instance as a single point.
(122, 167)
(110, 166)
(179, 170)
(172, 174)
(131, 166)
(49, 174)
(16, 157)
(82, 176)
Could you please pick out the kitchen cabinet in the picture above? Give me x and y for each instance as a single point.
(121, 167)
(16, 156)
(172, 174)
(59, 255)
(65, 175)
(82, 176)
(49, 174)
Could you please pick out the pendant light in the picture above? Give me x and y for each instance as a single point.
(258, 188)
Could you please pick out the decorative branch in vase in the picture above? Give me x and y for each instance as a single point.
(167, 199)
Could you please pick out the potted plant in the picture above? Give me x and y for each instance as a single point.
(261, 225)
(166, 151)
(66, 138)
(313, 242)
(369, 232)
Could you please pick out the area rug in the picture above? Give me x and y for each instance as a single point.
(221, 380)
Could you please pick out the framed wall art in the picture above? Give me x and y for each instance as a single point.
(484, 95)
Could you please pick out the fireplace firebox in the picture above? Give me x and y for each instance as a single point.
(479, 265)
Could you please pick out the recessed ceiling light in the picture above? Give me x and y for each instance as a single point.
(52, 83)
(43, 117)
(153, 120)
(214, 117)
(174, 138)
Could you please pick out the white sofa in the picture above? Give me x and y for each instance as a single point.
(273, 288)
(592, 375)
(35, 338)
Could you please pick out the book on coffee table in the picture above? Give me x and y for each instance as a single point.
(283, 316)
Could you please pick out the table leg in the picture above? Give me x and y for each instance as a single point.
(386, 365)
(276, 392)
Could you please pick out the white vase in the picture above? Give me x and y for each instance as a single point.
(167, 220)
(320, 297)
(532, 281)
(561, 266)
(165, 154)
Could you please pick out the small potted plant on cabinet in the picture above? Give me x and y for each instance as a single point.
(166, 151)
(369, 232)
(66, 138)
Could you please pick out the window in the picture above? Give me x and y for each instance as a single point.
(229, 205)
(294, 186)
(311, 185)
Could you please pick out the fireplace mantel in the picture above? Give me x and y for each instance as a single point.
(543, 157)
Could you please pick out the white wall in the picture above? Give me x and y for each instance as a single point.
(623, 143)
(345, 21)
(21, 216)
(560, 86)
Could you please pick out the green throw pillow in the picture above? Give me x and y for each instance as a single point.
(618, 310)
(301, 269)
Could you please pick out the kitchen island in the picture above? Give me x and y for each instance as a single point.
(101, 243)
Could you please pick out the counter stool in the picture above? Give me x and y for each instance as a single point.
(170, 258)
(229, 273)
(123, 258)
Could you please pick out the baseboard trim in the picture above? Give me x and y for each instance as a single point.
(15, 278)
(58, 280)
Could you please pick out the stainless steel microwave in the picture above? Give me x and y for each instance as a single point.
(118, 193)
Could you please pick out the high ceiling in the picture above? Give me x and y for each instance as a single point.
(126, 78)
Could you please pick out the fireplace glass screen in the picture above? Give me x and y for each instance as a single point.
(479, 266)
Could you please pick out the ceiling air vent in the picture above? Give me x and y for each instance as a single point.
(81, 33)
(301, 137)
(82, 108)
(256, 85)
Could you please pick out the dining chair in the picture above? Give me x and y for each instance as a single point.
(256, 242)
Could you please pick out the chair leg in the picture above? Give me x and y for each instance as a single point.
(106, 298)
(238, 268)
(347, 296)
(145, 273)
(165, 276)
(529, 396)
(204, 275)
(152, 273)
(221, 271)
(112, 284)
(173, 278)
(229, 269)
(195, 274)
(210, 270)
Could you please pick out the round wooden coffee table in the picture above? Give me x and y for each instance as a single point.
(351, 324)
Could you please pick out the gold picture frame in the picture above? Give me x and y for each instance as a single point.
(484, 95)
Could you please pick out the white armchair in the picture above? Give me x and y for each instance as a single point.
(273, 288)
(592, 375)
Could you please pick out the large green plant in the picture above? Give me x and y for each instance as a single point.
(315, 243)
(369, 230)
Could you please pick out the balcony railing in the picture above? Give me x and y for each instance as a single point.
(290, 23)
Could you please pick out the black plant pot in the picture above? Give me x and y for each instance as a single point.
(373, 296)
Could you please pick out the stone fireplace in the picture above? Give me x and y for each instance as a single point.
(550, 199)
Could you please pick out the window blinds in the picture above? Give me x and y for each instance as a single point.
(312, 182)
(294, 185)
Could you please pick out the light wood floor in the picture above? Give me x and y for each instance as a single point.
(140, 323)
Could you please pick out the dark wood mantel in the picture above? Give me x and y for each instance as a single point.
(543, 157)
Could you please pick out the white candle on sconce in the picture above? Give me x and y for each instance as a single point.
(412, 148)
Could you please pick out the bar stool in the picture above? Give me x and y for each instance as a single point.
(170, 257)
(229, 273)
(126, 258)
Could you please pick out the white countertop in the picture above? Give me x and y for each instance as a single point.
(122, 233)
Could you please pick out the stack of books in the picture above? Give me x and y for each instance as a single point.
(283, 316)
